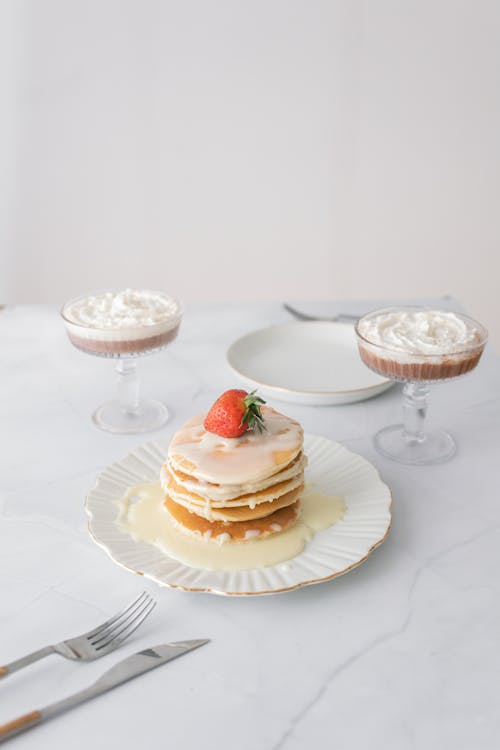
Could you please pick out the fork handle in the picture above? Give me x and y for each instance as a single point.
(13, 666)
(347, 317)
(11, 728)
(340, 318)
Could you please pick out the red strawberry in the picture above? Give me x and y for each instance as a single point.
(234, 412)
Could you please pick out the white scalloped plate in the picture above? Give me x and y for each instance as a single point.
(332, 468)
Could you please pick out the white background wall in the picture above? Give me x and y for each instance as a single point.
(251, 148)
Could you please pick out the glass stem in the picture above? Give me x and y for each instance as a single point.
(414, 411)
(127, 382)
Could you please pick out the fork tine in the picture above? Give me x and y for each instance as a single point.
(104, 632)
(113, 619)
(136, 612)
(122, 635)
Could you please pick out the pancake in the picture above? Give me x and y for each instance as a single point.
(242, 512)
(237, 531)
(223, 489)
(182, 495)
(224, 495)
(250, 458)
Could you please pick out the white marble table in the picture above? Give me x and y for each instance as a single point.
(403, 652)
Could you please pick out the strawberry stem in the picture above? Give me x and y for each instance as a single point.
(252, 414)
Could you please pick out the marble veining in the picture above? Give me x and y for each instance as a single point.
(401, 653)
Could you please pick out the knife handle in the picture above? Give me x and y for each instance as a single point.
(19, 725)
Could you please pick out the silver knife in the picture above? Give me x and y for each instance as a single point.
(125, 670)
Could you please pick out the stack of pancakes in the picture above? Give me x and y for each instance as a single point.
(235, 489)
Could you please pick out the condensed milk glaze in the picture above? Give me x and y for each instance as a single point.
(236, 461)
(229, 494)
(143, 516)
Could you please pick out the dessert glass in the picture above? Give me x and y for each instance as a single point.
(128, 413)
(409, 442)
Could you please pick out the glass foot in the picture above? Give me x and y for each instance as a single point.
(432, 448)
(147, 416)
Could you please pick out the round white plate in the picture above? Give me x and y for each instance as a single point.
(332, 468)
(314, 363)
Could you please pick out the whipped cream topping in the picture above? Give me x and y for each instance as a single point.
(427, 332)
(121, 310)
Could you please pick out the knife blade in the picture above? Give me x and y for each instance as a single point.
(125, 670)
(142, 662)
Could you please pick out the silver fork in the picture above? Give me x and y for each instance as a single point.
(340, 318)
(97, 642)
